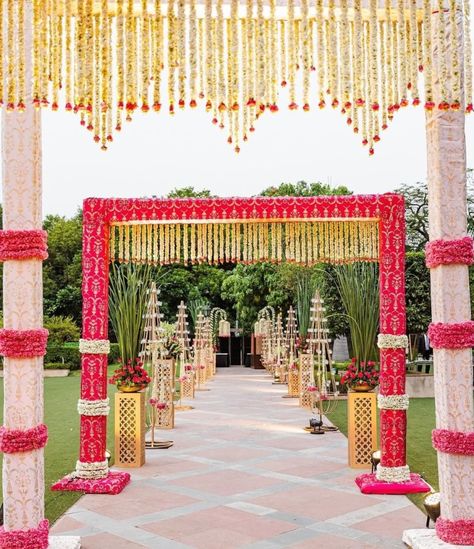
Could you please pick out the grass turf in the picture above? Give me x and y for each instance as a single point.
(61, 395)
(420, 454)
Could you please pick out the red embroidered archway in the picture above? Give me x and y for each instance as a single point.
(387, 211)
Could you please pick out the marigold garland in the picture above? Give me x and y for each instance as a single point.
(366, 60)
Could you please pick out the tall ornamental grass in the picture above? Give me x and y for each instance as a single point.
(358, 286)
(128, 300)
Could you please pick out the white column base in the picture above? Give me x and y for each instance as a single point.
(427, 539)
(64, 542)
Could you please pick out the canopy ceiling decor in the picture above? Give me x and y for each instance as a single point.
(106, 59)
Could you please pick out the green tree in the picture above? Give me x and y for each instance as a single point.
(416, 211)
(62, 271)
(189, 192)
(417, 284)
(301, 188)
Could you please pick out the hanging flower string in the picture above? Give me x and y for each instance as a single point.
(366, 60)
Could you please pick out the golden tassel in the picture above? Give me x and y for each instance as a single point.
(221, 257)
(162, 244)
(193, 243)
(156, 256)
(210, 258)
(127, 243)
(227, 258)
(134, 244)
(314, 228)
(254, 256)
(177, 246)
(186, 230)
(172, 244)
(112, 244)
(309, 244)
(145, 240)
(120, 244)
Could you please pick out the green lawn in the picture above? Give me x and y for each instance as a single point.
(421, 455)
(61, 395)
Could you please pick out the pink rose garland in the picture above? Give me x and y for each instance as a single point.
(451, 335)
(23, 343)
(450, 252)
(24, 244)
(457, 532)
(13, 441)
(453, 442)
(34, 538)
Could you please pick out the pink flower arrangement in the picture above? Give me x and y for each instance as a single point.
(188, 368)
(293, 366)
(158, 404)
(361, 373)
(311, 388)
(23, 244)
(131, 374)
(450, 252)
(456, 335)
(453, 442)
(182, 379)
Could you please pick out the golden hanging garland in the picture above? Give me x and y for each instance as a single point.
(305, 242)
(106, 58)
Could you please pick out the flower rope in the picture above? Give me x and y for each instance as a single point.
(457, 532)
(13, 441)
(393, 402)
(23, 343)
(453, 442)
(390, 341)
(24, 244)
(450, 252)
(93, 407)
(33, 538)
(94, 346)
(451, 335)
(393, 474)
(91, 471)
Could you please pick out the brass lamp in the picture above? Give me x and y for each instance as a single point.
(375, 460)
(432, 505)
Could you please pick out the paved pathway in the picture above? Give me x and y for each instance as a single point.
(242, 473)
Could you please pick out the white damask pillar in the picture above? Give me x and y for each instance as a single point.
(23, 473)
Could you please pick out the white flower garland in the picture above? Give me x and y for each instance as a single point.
(93, 407)
(94, 346)
(393, 402)
(393, 474)
(390, 341)
(91, 471)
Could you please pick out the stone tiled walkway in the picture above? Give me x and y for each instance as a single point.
(242, 473)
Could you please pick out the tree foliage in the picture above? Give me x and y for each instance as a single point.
(302, 188)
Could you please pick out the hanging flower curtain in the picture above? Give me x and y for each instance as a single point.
(108, 59)
(305, 242)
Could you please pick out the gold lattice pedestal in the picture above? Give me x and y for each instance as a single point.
(129, 429)
(293, 384)
(362, 434)
(305, 378)
(163, 391)
(187, 386)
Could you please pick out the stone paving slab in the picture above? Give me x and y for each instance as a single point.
(242, 474)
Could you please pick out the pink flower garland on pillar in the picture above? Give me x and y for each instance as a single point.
(34, 538)
(453, 442)
(449, 252)
(457, 532)
(24, 244)
(455, 335)
(13, 441)
(23, 343)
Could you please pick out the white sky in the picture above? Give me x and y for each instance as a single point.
(156, 153)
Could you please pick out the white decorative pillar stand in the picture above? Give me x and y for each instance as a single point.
(452, 332)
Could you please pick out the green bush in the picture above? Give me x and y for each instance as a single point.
(57, 366)
(61, 329)
(114, 353)
(60, 354)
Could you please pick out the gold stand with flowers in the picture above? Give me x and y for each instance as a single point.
(129, 429)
